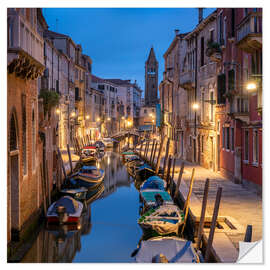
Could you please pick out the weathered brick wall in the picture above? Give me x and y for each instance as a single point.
(28, 184)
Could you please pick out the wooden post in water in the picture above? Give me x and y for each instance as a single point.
(166, 157)
(48, 181)
(146, 150)
(154, 155)
(43, 187)
(204, 203)
(159, 154)
(62, 163)
(140, 151)
(152, 150)
(179, 180)
(172, 178)
(169, 172)
(213, 225)
(69, 158)
(186, 205)
(248, 235)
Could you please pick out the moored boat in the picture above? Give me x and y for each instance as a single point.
(65, 210)
(166, 249)
(153, 182)
(89, 177)
(76, 193)
(144, 172)
(162, 220)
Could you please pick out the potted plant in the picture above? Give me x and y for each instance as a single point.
(213, 51)
(50, 99)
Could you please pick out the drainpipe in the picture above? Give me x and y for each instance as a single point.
(195, 94)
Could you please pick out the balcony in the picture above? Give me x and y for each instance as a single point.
(208, 71)
(239, 108)
(249, 33)
(187, 80)
(25, 48)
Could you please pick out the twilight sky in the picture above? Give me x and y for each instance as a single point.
(118, 40)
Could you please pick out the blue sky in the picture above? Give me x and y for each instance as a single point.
(119, 39)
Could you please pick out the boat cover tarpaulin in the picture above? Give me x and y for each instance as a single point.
(149, 196)
(144, 166)
(164, 220)
(128, 153)
(68, 202)
(153, 182)
(176, 250)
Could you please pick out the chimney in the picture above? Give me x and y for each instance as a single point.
(200, 14)
(176, 32)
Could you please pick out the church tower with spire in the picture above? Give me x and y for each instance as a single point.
(151, 79)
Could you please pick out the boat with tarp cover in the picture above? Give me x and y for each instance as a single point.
(166, 249)
(65, 210)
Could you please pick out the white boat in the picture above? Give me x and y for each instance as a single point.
(166, 249)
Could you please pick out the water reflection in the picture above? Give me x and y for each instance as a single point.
(108, 230)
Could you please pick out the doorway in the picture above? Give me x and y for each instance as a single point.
(218, 152)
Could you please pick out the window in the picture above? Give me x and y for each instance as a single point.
(190, 141)
(246, 152)
(153, 110)
(145, 111)
(13, 144)
(245, 11)
(33, 141)
(202, 106)
(232, 22)
(221, 87)
(220, 30)
(231, 75)
(202, 51)
(211, 38)
(77, 93)
(232, 139)
(211, 106)
(224, 32)
(223, 137)
(202, 144)
(255, 146)
(101, 87)
(228, 138)
(10, 32)
(24, 135)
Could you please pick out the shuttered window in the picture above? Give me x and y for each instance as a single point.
(221, 89)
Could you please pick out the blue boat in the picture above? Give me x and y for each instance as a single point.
(153, 182)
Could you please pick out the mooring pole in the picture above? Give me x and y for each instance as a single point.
(179, 180)
(159, 155)
(204, 203)
(152, 150)
(154, 155)
(69, 158)
(172, 178)
(248, 235)
(62, 163)
(186, 205)
(213, 225)
(168, 172)
(166, 157)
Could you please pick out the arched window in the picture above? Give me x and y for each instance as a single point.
(24, 136)
(33, 140)
(13, 142)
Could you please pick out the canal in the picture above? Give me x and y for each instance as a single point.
(109, 231)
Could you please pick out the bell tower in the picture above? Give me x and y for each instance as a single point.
(151, 79)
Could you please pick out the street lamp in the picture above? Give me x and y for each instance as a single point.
(251, 86)
(73, 114)
(98, 119)
(87, 116)
(57, 111)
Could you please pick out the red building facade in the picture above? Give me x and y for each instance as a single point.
(239, 109)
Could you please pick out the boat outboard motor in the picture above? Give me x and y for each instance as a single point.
(159, 200)
(62, 214)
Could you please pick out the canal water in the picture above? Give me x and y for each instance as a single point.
(109, 231)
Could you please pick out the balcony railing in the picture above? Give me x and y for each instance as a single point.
(249, 32)
(22, 35)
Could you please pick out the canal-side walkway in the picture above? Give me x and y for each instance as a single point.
(239, 206)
